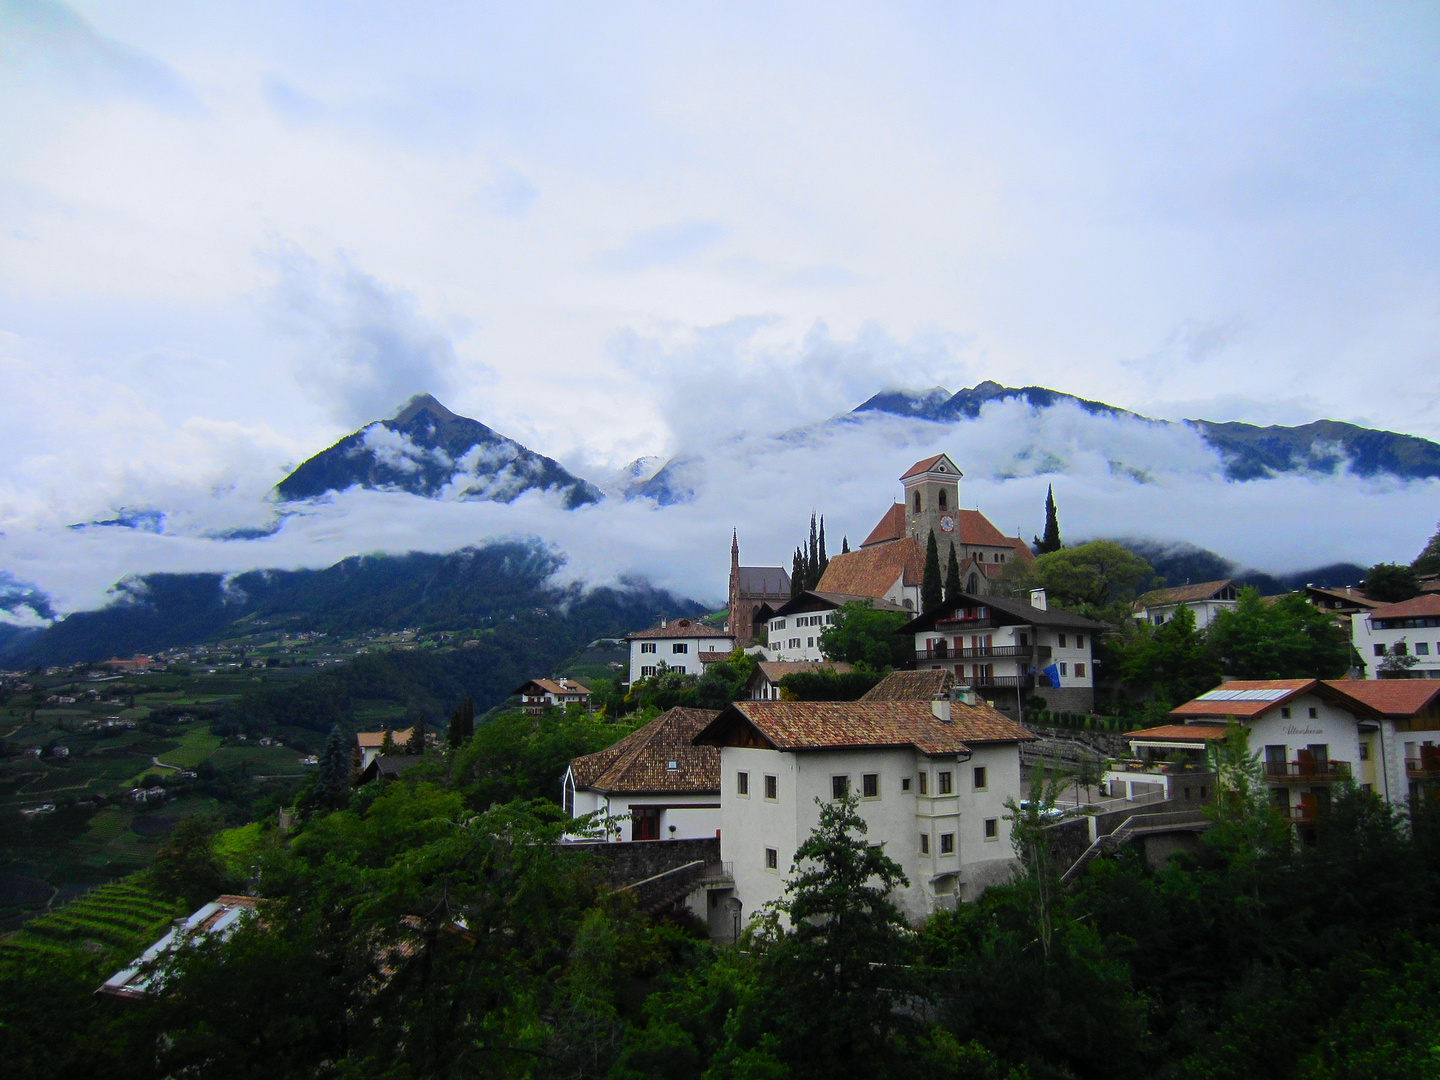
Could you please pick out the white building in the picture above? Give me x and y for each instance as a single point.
(682, 645)
(370, 743)
(1409, 628)
(537, 695)
(794, 629)
(1312, 735)
(1205, 601)
(654, 784)
(1009, 649)
(764, 683)
(932, 778)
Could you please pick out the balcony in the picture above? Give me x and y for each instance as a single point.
(966, 625)
(1425, 767)
(1306, 772)
(1000, 652)
(1304, 814)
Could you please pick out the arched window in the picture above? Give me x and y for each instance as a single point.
(942, 499)
(908, 605)
(973, 585)
(917, 502)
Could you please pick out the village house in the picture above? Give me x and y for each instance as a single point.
(1008, 649)
(370, 743)
(932, 779)
(764, 682)
(755, 591)
(654, 784)
(890, 563)
(1342, 601)
(537, 695)
(794, 628)
(1395, 632)
(1205, 600)
(682, 645)
(1312, 735)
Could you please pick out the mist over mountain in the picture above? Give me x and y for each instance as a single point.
(1184, 564)
(425, 449)
(1249, 452)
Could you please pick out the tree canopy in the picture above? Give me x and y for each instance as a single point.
(1282, 638)
(1100, 579)
(1389, 583)
(864, 635)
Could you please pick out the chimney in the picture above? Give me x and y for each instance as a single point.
(965, 695)
(940, 706)
(1037, 599)
(662, 622)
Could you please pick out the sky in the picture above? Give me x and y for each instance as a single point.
(230, 234)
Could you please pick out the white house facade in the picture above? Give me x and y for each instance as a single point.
(794, 629)
(654, 784)
(537, 695)
(932, 781)
(682, 645)
(1205, 601)
(1409, 629)
(1008, 649)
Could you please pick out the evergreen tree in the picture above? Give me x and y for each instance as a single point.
(953, 588)
(932, 593)
(797, 574)
(416, 743)
(812, 556)
(844, 545)
(337, 768)
(1051, 540)
(824, 559)
(462, 724)
(1428, 561)
(387, 744)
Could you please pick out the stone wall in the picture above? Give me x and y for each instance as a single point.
(637, 860)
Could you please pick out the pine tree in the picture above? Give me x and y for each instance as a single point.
(416, 743)
(337, 769)
(387, 744)
(1051, 540)
(462, 724)
(953, 588)
(932, 594)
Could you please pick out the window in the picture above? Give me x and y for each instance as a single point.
(1314, 713)
(809, 642)
(1379, 650)
(839, 787)
(1422, 648)
(680, 647)
(980, 777)
(870, 785)
(992, 828)
(905, 783)
(917, 502)
(1285, 712)
(647, 646)
(947, 843)
(1079, 641)
(924, 785)
(772, 859)
(647, 672)
(1024, 641)
(672, 766)
(924, 843)
(944, 784)
(1364, 751)
(940, 501)
(772, 788)
(1063, 667)
(742, 784)
(1079, 671)
(778, 624)
(1062, 641)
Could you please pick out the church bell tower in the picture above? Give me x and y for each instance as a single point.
(932, 499)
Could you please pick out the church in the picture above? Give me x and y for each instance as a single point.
(755, 591)
(890, 564)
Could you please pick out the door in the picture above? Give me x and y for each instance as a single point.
(645, 823)
(1275, 761)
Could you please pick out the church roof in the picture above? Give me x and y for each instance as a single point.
(871, 571)
(764, 581)
(891, 526)
(973, 527)
(927, 464)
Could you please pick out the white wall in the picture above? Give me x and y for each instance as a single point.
(1365, 637)
(688, 661)
(694, 816)
(791, 641)
(1337, 729)
(1204, 611)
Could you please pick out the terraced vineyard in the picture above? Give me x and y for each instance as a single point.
(110, 924)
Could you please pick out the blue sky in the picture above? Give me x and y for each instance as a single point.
(230, 233)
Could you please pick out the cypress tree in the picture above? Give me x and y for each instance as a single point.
(844, 545)
(932, 594)
(812, 556)
(1051, 540)
(462, 724)
(824, 559)
(336, 769)
(953, 588)
(797, 574)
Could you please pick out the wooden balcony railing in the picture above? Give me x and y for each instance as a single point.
(998, 652)
(1422, 768)
(1306, 813)
(1306, 772)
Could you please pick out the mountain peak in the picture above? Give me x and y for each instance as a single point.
(421, 403)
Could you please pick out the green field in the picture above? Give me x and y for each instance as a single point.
(196, 745)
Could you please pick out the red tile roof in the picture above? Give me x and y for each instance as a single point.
(831, 725)
(1424, 604)
(871, 571)
(639, 763)
(1180, 733)
(1252, 697)
(775, 670)
(911, 685)
(1393, 697)
(926, 465)
(679, 628)
(550, 686)
(1181, 594)
(890, 527)
(372, 740)
(973, 527)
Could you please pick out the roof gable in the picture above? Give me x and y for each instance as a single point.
(940, 463)
(1186, 594)
(891, 526)
(975, 528)
(640, 762)
(919, 685)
